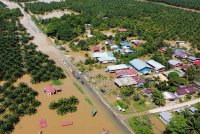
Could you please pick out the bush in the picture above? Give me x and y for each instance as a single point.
(136, 97)
(122, 104)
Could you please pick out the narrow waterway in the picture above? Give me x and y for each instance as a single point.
(84, 123)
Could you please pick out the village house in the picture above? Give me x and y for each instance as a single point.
(126, 73)
(114, 47)
(115, 68)
(140, 66)
(156, 66)
(169, 96)
(136, 42)
(147, 92)
(184, 90)
(193, 58)
(181, 55)
(175, 63)
(184, 67)
(193, 109)
(165, 117)
(50, 90)
(102, 54)
(197, 84)
(107, 60)
(96, 48)
(197, 63)
(125, 45)
(126, 81)
(139, 81)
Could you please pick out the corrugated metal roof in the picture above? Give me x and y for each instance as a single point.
(174, 62)
(117, 67)
(102, 54)
(102, 59)
(126, 81)
(127, 44)
(166, 116)
(138, 64)
(168, 95)
(155, 64)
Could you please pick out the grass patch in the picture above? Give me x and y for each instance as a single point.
(142, 107)
(89, 101)
(79, 88)
(141, 125)
(56, 82)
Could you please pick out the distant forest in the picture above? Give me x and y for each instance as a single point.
(143, 19)
(192, 4)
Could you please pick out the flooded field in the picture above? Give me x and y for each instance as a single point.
(84, 123)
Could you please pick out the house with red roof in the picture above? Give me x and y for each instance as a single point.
(96, 48)
(49, 90)
(184, 90)
(197, 63)
(122, 29)
(126, 73)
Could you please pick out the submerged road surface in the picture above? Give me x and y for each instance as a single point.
(48, 47)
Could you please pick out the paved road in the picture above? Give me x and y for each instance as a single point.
(167, 108)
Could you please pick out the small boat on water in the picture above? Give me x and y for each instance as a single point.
(94, 112)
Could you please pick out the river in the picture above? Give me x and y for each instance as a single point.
(84, 123)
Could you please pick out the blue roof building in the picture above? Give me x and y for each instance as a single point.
(140, 66)
(125, 44)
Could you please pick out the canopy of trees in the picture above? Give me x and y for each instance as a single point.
(158, 98)
(15, 102)
(193, 4)
(141, 125)
(65, 105)
(18, 56)
(43, 7)
(185, 123)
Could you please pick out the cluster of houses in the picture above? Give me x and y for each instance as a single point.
(166, 116)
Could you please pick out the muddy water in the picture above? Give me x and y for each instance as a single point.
(56, 14)
(83, 122)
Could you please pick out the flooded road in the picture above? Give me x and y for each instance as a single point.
(84, 123)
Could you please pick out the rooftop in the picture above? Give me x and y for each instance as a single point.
(102, 54)
(155, 64)
(126, 81)
(174, 62)
(193, 109)
(126, 72)
(138, 64)
(127, 44)
(166, 116)
(102, 59)
(186, 90)
(117, 67)
(169, 96)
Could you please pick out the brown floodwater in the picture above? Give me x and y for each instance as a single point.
(84, 123)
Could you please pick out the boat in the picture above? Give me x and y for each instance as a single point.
(94, 112)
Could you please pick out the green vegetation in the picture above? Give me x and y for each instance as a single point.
(185, 123)
(89, 101)
(79, 88)
(43, 7)
(65, 105)
(18, 56)
(23, 0)
(15, 102)
(56, 82)
(193, 4)
(2, 5)
(121, 104)
(158, 98)
(141, 125)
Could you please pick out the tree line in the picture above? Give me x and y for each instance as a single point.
(18, 56)
(192, 4)
(43, 7)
